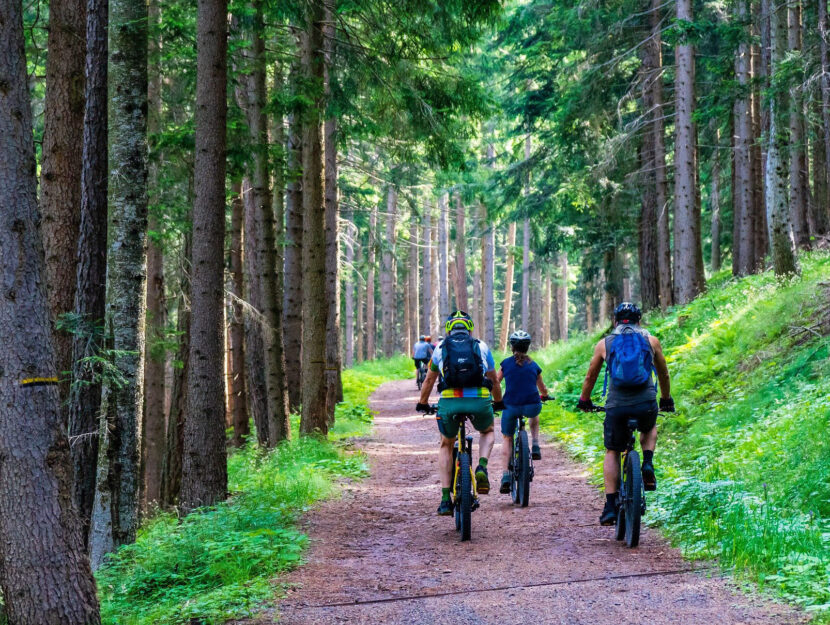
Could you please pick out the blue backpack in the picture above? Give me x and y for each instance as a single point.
(629, 359)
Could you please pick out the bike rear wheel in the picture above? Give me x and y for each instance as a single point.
(633, 498)
(464, 500)
(520, 484)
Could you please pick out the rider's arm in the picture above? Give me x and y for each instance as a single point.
(661, 367)
(593, 370)
(426, 387)
(500, 375)
(540, 384)
(491, 375)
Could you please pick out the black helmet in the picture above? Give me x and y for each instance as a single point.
(520, 341)
(627, 312)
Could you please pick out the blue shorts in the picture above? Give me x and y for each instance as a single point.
(509, 414)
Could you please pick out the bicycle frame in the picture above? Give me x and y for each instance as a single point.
(463, 444)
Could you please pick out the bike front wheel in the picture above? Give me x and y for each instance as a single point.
(520, 484)
(633, 502)
(464, 498)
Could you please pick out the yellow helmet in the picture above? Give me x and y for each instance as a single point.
(458, 319)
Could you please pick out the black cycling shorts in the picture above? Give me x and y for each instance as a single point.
(418, 361)
(616, 423)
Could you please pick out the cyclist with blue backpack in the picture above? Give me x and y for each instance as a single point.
(468, 386)
(631, 355)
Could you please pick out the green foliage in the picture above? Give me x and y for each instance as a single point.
(220, 563)
(745, 462)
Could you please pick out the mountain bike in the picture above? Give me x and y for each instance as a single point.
(521, 465)
(422, 374)
(631, 497)
(462, 478)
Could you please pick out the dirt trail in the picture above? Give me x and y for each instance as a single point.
(382, 543)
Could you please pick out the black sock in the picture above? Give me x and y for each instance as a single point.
(648, 455)
(610, 499)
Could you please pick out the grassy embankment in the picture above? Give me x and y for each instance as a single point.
(220, 563)
(744, 464)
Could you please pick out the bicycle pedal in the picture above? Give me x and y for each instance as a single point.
(476, 504)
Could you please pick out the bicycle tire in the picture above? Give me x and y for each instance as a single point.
(465, 499)
(620, 525)
(633, 499)
(454, 481)
(523, 475)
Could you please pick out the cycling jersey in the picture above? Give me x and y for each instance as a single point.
(422, 350)
(488, 364)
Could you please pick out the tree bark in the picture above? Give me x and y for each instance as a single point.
(293, 302)
(348, 290)
(743, 234)
(658, 132)
(90, 295)
(647, 242)
(443, 256)
(412, 274)
(797, 139)
(387, 282)
(821, 200)
(714, 202)
(60, 185)
(782, 243)
(360, 325)
(313, 418)
(462, 301)
(254, 319)
(239, 400)
(688, 256)
(759, 219)
(562, 296)
(204, 459)
(115, 510)
(371, 323)
(153, 436)
(825, 86)
(44, 575)
(488, 268)
(507, 303)
(526, 273)
(426, 321)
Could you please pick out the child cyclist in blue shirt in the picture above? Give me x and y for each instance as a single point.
(523, 396)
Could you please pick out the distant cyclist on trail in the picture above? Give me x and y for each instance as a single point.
(468, 375)
(422, 351)
(631, 354)
(524, 392)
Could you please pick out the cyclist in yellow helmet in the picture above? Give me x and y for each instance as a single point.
(467, 378)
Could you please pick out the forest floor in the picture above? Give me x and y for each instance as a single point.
(380, 554)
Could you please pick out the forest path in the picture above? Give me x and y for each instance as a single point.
(380, 551)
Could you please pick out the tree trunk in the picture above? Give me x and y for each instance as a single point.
(562, 296)
(647, 242)
(334, 364)
(443, 255)
(387, 282)
(115, 511)
(426, 323)
(714, 200)
(171, 472)
(371, 323)
(412, 274)
(60, 185)
(293, 302)
(589, 307)
(759, 219)
(44, 575)
(782, 244)
(239, 403)
(546, 308)
(313, 417)
(688, 256)
(204, 459)
(798, 155)
(254, 319)
(360, 338)
(90, 295)
(526, 277)
(488, 266)
(820, 206)
(275, 366)
(508, 285)
(824, 38)
(555, 330)
(153, 436)
(460, 254)
(743, 234)
(348, 290)
(661, 184)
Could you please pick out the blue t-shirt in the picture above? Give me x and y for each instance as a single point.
(520, 382)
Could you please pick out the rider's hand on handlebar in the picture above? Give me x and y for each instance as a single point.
(585, 405)
(498, 406)
(419, 407)
(546, 398)
(666, 404)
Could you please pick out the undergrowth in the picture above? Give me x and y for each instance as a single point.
(744, 463)
(220, 563)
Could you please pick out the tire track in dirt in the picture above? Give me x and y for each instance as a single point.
(548, 563)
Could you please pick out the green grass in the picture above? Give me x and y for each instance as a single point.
(220, 563)
(744, 464)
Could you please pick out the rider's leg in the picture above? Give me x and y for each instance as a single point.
(445, 461)
(506, 450)
(534, 429)
(611, 471)
(485, 443)
(648, 440)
